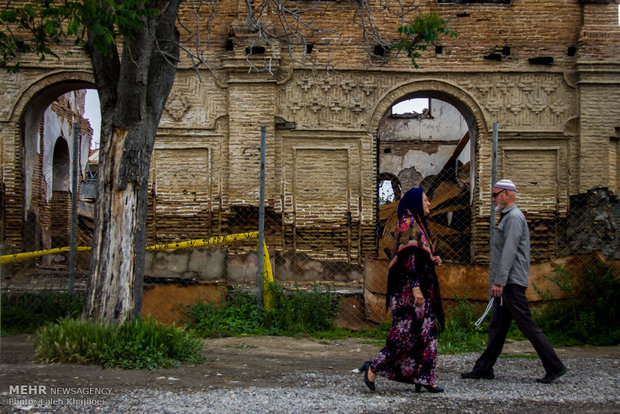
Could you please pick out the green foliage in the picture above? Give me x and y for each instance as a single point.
(149, 344)
(292, 313)
(135, 344)
(460, 334)
(38, 25)
(589, 313)
(311, 313)
(301, 311)
(238, 316)
(420, 34)
(376, 335)
(24, 313)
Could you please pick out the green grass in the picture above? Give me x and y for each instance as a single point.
(310, 313)
(25, 312)
(298, 312)
(588, 315)
(135, 344)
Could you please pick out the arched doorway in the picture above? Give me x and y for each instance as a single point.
(45, 128)
(432, 146)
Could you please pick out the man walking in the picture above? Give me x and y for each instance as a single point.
(508, 274)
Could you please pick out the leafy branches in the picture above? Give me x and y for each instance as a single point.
(420, 34)
(413, 37)
(588, 314)
(38, 25)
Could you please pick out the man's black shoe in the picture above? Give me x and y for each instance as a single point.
(552, 376)
(477, 375)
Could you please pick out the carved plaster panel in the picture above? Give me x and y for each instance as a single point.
(340, 100)
(194, 102)
(523, 101)
(517, 101)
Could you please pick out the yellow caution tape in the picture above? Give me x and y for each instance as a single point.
(205, 242)
(18, 257)
(267, 271)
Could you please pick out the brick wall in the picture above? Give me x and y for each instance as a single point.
(556, 122)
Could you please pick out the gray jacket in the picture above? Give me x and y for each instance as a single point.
(510, 249)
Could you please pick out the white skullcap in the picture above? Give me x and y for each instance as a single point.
(506, 185)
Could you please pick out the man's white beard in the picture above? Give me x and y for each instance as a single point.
(499, 207)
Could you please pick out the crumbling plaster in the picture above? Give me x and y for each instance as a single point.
(422, 143)
(54, 128)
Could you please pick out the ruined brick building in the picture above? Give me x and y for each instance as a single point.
(47, 160)
(546, 71)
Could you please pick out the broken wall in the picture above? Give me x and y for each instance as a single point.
(48, 158)
(417, 146)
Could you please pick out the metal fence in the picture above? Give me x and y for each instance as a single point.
(339, 253)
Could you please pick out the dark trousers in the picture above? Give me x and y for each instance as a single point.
(515, 307)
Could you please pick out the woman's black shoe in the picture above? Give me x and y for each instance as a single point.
(365, 368)
(429, 388)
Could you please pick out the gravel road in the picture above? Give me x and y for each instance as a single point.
(281, 375)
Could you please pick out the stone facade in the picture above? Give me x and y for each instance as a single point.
(548, 72)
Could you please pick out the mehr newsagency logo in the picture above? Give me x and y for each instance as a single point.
(43, 395)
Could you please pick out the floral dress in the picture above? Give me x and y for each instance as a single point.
(410, 351)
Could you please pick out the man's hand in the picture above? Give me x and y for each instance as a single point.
(436, 260)
(496, 291)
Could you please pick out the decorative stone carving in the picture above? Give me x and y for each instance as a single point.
(520, 101)
(194, 102)
(177, 105)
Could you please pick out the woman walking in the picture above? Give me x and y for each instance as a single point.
(410, 351)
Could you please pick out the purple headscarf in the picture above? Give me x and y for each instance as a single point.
(412, 201)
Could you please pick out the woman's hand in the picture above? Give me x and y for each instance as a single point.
(436, 260)
(418, 297)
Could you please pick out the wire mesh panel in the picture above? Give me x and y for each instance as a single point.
(327, 225)
(302, 260)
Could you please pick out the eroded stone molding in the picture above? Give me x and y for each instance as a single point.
(23, 88)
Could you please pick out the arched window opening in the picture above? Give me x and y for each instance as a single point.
(412, 108)
(389, 189)
(47, 136)
(61, 166)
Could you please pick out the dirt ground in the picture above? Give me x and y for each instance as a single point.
(230, 362)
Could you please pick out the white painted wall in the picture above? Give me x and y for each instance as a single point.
(446, 124)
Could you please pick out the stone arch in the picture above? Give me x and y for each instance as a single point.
(39, 94)
(432, 88)
(28, 111)
(476, 127)
(25, 117)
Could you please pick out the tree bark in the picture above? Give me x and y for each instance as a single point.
(133, 91)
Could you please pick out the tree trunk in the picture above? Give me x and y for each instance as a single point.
(133, 91)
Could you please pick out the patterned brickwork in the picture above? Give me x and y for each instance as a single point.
(558, 123)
